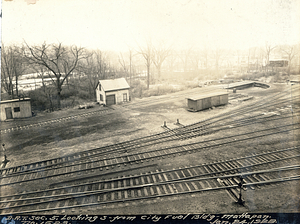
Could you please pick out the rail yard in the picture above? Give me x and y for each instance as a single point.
(154, 156)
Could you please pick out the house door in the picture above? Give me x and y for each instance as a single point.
(110, 100)
(8, 113)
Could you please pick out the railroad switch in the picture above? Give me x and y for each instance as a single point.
(165, 124)
(240, 200)
(5, 161)
(178, 123)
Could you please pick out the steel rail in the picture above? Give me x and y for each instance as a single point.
(181, 136)
(166, 152)
(280, 154)
(148, 152)
(164, 135)
(144, 186)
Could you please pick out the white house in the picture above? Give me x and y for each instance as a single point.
(17, 108)
(112, 91)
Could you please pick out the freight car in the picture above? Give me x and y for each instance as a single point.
(207, 100)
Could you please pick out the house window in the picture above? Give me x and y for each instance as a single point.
(17, 109)
(101, 97)
(124, 97)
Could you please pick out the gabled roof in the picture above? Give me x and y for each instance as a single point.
(114, 84)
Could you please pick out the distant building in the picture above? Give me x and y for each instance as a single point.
(17, 108)
(279, 63)
(112, 91)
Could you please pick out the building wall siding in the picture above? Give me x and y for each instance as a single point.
(25, 109)
(207, 102)
(118, 95)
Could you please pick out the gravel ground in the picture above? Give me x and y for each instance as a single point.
(61, 138)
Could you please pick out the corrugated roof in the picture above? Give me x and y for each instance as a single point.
(114, 84)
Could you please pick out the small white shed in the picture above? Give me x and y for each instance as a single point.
(112, 91)
(17, 108)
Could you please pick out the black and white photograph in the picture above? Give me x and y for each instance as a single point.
(150, 111)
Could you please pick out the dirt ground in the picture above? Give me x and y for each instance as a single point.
(123, 123)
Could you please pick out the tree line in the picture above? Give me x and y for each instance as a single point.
(72, 65)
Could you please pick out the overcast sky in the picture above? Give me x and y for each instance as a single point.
(117, 24)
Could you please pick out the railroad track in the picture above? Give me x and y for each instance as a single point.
(63, 169)
(168, 135)
(257, 170)
(49, 122)
(184, 132)
(67, 165)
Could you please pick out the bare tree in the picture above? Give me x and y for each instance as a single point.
(171, 59)
(123, 64)
(47, 89)
(147, 53)
(217, 55)
(291, 52)
(12, 67)
(127, 65)
(95, 67)
(184, 56)
(251, 56)
(268, 49)
(196, 59)
(204, 57)
(159, 55)
(59, 60)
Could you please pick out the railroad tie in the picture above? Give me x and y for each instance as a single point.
(251, 180)
(125, 194)
(139, 192)
(158, 190)
(165, 189)
(183, 173)
(208, 184)
(148, 179)
(233, 192)
(219, 167)
(194, 186)
(105, 197)
(227, 166)
(189, 172)
(215, 168)
(152, 191)
(160, 177)
(187, 186)
(177, 175)
(166, 177)
(142, 179)
(131, 193)
(131, 181)
(171, 188)
(153, 177)
(207, 171)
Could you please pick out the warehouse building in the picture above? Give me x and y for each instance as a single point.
(207, 100)
(17, 108)
(112, 91)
